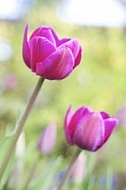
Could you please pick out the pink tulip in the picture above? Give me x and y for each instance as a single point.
(48, 56)
(48, 139)
(78, 170)
(87, 129)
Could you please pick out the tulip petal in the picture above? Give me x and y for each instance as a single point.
(104, 115)
(110, 125)
(78, 58)
(57, 66)
(75, 48)
(55, 37)
(71, 127)
(63, 40)
(48, 139)
(67, 122)
(35, 33)
(82, 112)
(89, 133)
(72, 120)
(40, 49)
(68, 116)
(26, 49)
(46, 32)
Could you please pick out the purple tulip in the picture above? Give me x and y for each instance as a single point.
(48, 56)
(48, 139)
(87, 129)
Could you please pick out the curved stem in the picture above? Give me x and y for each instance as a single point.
(21, 125)
(68, 170)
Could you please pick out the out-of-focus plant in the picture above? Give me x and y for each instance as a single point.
(47, 139)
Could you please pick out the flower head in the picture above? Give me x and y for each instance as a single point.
(48, 56)
(87, 129)
(47, 139)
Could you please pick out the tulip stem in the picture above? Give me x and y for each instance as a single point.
(68, 170)
(20, 126)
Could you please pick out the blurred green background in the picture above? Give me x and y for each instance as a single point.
(99, 82)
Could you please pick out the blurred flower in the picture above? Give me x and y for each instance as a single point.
(48, 56)
(47, 139)
(121, 115)
(113, 181)
(10, 82)
(78, 170)
(87, 129)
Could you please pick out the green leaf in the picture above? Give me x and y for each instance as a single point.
(91, 183)
(4, 144)
(109, 176)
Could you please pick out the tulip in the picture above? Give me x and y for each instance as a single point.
(87, 129)
(78, 170)
(48, 56)
(47, 139)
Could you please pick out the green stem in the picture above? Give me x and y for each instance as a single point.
(21, 125)
(68, 170)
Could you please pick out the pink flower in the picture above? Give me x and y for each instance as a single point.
(47, 139)
(10, 82)
(87, 129)
(78, 170)
(48, 56)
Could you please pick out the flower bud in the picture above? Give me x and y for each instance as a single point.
(47, 139)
